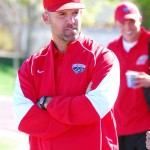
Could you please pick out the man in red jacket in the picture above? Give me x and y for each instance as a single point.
(65, 93)
(131, 109)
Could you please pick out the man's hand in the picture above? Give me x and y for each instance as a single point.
(142, 80)
(147, 140)
(48, 99)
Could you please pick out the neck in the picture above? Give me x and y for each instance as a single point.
(61, 46)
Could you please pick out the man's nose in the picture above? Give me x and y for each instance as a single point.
(70, 19)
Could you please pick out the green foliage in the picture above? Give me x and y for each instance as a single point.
(6, 42)
(89, 14)
(29, 2)
(24, 2)
(145, 11)
(95, 9)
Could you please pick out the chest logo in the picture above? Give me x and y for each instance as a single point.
(142, 60)
(40, 71)
(78, 68)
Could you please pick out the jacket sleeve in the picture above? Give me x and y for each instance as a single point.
(32, 119)
(88, 108)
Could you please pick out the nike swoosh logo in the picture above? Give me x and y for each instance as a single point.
(40, 71)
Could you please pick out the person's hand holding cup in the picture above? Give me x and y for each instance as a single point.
(131, 78)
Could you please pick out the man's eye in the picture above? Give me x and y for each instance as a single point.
(61, 14)
(76, 12)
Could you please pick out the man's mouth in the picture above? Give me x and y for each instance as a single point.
(129, 32)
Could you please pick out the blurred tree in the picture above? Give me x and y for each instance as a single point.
(15, 14)
(6, 42)
(11, 14)
(32, 15)
(98, 9)
(145, 11)
(92, 9)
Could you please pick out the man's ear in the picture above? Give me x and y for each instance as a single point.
(45, 18)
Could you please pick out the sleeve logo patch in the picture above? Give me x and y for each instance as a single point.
(78, 68)
(142, 60)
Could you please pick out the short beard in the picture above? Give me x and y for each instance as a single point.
(72, 36)
(69, 38)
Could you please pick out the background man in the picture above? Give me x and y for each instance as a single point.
(131, 110)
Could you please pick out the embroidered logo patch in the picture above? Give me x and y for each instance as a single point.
(40, 71)
(126, 10)
(78, 68)
(142, 60)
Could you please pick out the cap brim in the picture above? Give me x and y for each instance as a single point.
(66, 6)
(129, 16)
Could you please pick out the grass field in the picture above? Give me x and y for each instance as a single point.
(7, 144)
(7, 80)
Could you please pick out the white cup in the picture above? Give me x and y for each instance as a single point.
(130, 76)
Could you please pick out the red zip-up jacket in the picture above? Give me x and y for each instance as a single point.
(131, 110)
(84, 85)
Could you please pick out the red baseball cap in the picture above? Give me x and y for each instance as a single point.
(127, 10)
(56, 5)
